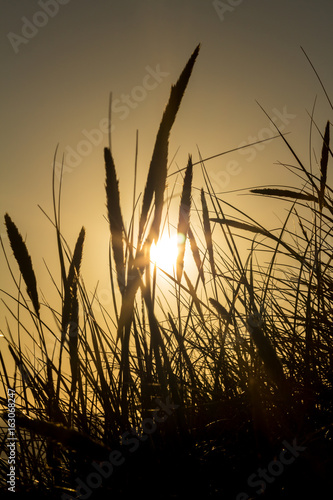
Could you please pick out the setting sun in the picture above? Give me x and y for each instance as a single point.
(164, 253)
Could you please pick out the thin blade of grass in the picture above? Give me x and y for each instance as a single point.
(182, 348)
(323, 165)
(194, 296)
(317, 75)
(305, 234)
(196, 254)
(57, 216)
(309, 177)
(264, 232)
(208, 233)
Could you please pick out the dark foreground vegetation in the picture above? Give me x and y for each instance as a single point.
(226, 394)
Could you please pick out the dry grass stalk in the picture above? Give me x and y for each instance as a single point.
(115, 217)
(302, 227)
(323, 165)
(70, 312)
(184, 218)
(158, 167)
(74, 269)
(24, 261)
(71, 282)
(196, 254)
(208, 232)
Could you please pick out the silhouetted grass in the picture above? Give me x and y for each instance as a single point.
(195, 390)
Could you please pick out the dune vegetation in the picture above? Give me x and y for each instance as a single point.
(226, 395)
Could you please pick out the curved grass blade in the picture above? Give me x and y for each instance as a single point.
(194, 296)
(264, 232)
(323, 165)
(317, 75)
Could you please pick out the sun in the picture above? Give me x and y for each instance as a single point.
(164, 253)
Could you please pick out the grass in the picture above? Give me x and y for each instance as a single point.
(195, 391)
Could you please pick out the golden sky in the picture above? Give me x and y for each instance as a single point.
(60, 59)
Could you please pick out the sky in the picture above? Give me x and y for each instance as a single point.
(60, 59)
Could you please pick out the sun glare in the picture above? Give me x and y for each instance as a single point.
(164, 253)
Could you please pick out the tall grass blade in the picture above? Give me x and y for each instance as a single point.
(308, 175)
(69, 319)
(74, 269)
(115, 217)
(184, 218)
(196, 254)
(323, 165)
(57, 216)
(70, 295)
(264, 232)
(208, 232)
(158, 167)
(319, 79)
(302, 227)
